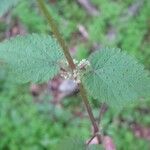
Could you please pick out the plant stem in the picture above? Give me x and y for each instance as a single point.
(103, 109)
(89, 110)
(67, 54)
(56, 33)
(90, 139)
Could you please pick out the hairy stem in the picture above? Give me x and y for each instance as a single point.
(56, 33)
(67, 54)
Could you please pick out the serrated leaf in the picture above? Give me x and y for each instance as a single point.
(76, 143)
(6, 4)
(116, 78)
(32, 57)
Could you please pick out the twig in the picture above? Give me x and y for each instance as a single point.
(91, 139)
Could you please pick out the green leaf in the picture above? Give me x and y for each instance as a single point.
(6, 4)
(76, 143)
(32, 57)
(116, 78)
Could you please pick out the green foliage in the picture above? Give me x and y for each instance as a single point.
(6, 4)
(32, 57)
(31, 19)
(75, 143)
(22, 127)
(129, 139)
(27, 125)
(116, 78)
(123, 24)
(71, 144)
(2, 75)
(82, 52)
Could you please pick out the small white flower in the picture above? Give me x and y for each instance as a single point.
(76, 76)
(65, 75)
(75, 61)
(83, 64)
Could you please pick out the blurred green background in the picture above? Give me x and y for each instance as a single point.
(37, 117)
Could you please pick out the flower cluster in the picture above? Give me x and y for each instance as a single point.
(65, 74)
(76, 74)
(83, 64)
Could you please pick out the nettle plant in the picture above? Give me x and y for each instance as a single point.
(108, 75)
